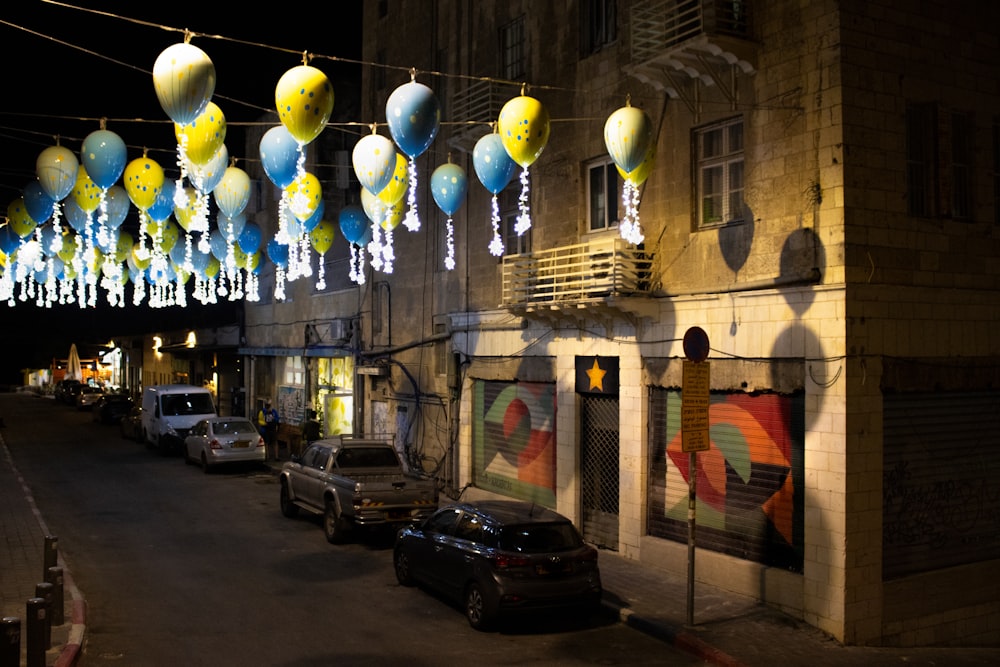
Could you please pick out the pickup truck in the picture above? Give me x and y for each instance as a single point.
(354, 482)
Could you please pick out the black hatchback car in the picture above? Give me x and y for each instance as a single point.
(499, 557)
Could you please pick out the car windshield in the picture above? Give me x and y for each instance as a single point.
(540, 538)
(187, 404)
(235, 427)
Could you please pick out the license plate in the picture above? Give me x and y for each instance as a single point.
(241, 443)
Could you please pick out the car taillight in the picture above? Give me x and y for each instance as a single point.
(508, 561)
(260, 441)
(215, 444)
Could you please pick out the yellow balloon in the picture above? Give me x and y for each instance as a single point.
(20, 222)
(204, 136)
(304, 196)
(212, 270)
(321, 237)
(166, 230)
(239, 257)
(523, 126)
(143, 182)
(397, 187)
(639, 175)
(185, 214)
(68, 250)
(85, 191)
(123, 246)
(141, 264)
(304, 98)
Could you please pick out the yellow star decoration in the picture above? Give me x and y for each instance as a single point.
(596, 376)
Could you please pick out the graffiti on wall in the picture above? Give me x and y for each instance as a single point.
(513, 443)
(749, 483)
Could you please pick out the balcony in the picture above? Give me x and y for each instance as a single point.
(675, 42)
(480, 105)
(605, 279)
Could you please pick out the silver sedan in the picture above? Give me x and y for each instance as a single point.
(220, 440)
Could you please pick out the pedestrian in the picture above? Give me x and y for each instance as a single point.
(267, 422)
(311, 427)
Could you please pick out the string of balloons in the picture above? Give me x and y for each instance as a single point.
(177, 243)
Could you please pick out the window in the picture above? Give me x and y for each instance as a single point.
(294, 371)
(940, 149)
(920, 140)
(719, 151)
(962, 131)
(603, 194)
(512, 65)
(599, 25)
(508, 202)
(996, 171)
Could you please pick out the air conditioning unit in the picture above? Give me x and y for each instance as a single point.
(340, 330)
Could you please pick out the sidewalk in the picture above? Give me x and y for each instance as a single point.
(730, 630)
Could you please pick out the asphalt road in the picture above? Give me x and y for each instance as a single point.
(183, 568)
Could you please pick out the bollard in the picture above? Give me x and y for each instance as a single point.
(54, 576)
(51, 555)
(10, 641)
(36, 632)
(44, 590)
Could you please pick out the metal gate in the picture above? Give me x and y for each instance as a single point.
(599, 469)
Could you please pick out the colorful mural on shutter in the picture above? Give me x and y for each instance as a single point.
(513, 440)
(749, 483)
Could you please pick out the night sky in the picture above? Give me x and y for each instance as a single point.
(66, 68)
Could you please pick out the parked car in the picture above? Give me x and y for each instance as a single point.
(87, 396)
(500, 557)
(219, 440)
(64, 391)
(131, 424)
(111, 408)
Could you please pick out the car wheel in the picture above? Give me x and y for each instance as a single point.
(288, 508)
(401, 563)
(205, 468)
(333, 524)
(476, 611)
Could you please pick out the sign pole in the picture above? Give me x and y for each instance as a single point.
(692, 494)
(694, 434)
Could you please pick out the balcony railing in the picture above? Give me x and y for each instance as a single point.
(695, 38)
(659, 25)
(480, 105)
(575, 275)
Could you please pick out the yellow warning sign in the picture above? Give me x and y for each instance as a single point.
(694, 406)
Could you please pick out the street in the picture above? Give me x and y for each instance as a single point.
(178, 567)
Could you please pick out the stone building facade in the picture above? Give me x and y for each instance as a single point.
(822, 206)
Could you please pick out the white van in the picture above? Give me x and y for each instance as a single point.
(170, 410)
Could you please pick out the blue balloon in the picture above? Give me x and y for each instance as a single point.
(448, 185)
(278, 252)
(9, 241)
(118, 202)
(217, 242)
(163, 205)
(37, 203)
(353, 223)
(414, 115)
(250, 238)
(103, 154)
(493, 165)
(75, 216)
(279, 155)
(313, 221)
